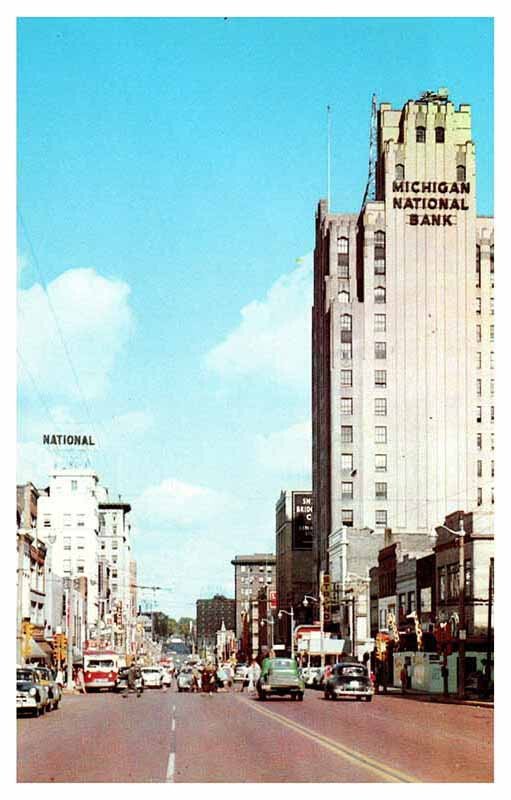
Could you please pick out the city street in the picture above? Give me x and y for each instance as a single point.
(232, 737)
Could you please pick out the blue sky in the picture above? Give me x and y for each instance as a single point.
(168, 174)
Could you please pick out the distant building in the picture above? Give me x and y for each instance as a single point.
(115, 558)
(212, 613)
(251, 574)
(294, 564)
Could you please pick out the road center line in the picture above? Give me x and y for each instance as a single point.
(382, 770)
(173, 724)
(170, 768)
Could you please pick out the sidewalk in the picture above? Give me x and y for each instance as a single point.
(427, 697)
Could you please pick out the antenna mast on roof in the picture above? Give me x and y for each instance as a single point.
(370, 192)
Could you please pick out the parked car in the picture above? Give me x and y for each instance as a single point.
(31, 694)
(122, 679)
(349, 679)
(153, 677)
(185, 680)
(53, 689)
(280, 676)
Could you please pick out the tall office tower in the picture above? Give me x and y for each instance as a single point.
(402, 396)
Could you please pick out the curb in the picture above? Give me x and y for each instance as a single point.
(431, 698)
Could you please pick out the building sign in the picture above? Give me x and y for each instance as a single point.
(416, 196)
(273, 599)
(302, 521)
(76, 440)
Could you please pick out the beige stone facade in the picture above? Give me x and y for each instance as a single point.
(403, 403)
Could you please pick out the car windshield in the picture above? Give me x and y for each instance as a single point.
(25, 675)
(352, 670)
(283, 663)
(99, 663)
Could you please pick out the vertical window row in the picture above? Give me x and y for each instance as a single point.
(379, 253)
(343, 257)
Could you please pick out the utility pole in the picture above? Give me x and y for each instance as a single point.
(489, 649)
(462, 633)
(69, 632)
(321, 618)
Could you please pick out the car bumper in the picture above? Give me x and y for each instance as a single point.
(353, 692)
(26, 702)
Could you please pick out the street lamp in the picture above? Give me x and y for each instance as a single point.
(462, 633)
(292, 615)
(306, 599)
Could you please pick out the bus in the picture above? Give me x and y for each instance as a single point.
(100, 669)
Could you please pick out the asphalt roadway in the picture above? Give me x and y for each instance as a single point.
(166, 736)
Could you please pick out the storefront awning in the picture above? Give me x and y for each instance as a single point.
(38, 652)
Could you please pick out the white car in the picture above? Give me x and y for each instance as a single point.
(153, 677)
(311, 676)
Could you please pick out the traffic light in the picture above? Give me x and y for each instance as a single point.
(27, 629)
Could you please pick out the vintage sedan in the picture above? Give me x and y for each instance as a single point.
(349, 679)
(31, 694)
(153, 677)
(185, 680)
(280, 676)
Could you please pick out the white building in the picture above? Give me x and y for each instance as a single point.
(403, 336)
(68, 522)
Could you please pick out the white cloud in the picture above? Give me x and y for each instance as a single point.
(95, 320)
(288, 452)
(183, 504)
(273, 337)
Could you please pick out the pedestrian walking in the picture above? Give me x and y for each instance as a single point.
(80, 681)
(254, 673)
(404, 678)
(59, 678)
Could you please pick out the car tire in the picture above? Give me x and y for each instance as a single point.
(327, 696)
(368, 698)
(262, 696)
(299, 696)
